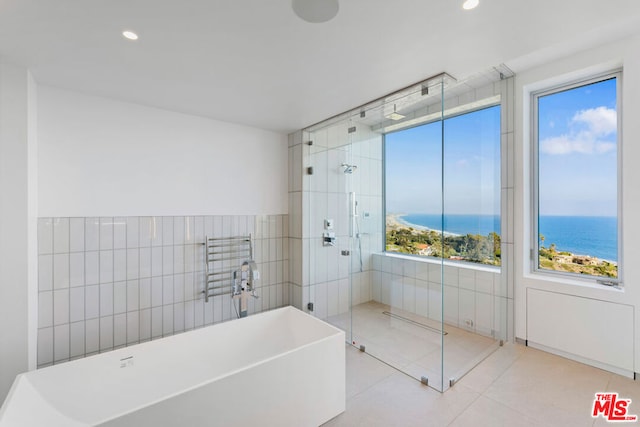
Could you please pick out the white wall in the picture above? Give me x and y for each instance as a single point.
(604, 58)
(18, 285)
(99, 157)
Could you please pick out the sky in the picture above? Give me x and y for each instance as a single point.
(578, 151)
(414, 162)
(577, 159)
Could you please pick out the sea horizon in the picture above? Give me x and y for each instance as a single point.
(594, 236)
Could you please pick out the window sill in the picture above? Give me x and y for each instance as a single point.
(445, 262)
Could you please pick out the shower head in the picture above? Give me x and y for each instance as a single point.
(348, 169)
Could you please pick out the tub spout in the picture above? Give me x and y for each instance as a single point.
(246, 286)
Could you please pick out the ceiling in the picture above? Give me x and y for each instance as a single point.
(254, 62)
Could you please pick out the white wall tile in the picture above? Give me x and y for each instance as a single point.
(156, 261)
(422, 270)
(91, 268)
(76, 269)
(178, 288)
(76, 235)
(451, 276)
(467, 309)
(76, 339)
(189, 316)
(92, 335)
(189, 230)
(156, 322)
(145, 229)
(61, 343)
(133, 327)
(61, 306)
(178, 317)
(178, 259)
(60, 235)
(45, 272)
(409, 294)
(76, 304)
(45, 236)
(92, 234)
(119, 297)
(450, 305)
(167, 231)
(106, 266)
(422, 298)
(133, 232)
(45, 346)
(167, 290)
(484, 313)
(435, 301)
(167, 260)
(61, 271)
(198, 228)
(484, 282)
(106, 299)
(133, 264)
(106, 333)
(156, 291)
(133, 295)
(467, 278)
(145, 293)
(119, 330)
(106, 233)
(145, 262)
(119, 265)
(178, 230)
(92, 302)
(45, 309)
(396, 288)
(119, 233)
(156, 231)
(145, 324)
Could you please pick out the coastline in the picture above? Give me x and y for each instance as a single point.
(395, 221)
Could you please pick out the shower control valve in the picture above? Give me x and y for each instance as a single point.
(328, 238)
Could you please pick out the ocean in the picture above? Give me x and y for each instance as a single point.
(580, 235)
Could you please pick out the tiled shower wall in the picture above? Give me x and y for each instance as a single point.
(474, 297)
(320, 274)
(109, 282)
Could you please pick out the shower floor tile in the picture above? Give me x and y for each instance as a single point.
(413, 343)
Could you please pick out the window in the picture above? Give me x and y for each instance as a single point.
(576, 150)
(425, 178)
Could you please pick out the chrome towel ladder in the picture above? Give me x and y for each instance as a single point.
(223, 256)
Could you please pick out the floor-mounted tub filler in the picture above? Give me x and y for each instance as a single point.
(280, 368)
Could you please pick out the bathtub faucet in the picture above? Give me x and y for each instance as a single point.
(244, 285)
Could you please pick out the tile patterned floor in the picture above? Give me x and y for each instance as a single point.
(514, 386)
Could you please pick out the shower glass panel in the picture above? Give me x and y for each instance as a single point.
(402, 226)
(327, 227)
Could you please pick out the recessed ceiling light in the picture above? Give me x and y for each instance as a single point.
(470, 4)
(130, 35)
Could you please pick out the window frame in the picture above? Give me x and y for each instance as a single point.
(535, 163)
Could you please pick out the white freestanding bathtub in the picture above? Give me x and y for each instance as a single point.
(279, 368)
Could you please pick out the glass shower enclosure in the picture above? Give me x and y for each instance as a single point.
(401, 208)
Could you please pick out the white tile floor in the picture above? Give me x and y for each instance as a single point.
(514, 386)
(413, 343)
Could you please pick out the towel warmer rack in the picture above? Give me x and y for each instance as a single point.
(224, 250)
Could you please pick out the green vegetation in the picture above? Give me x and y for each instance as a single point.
(486, 250)
(552, 259)
(470, 247)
